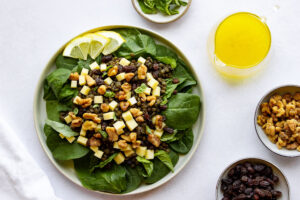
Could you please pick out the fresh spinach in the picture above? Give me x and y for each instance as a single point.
(48, 93)
(107, 180)
(67, 93)
(133, 178)
(183, 110)
(85, 63)
(169, 137)
(65, 62)
(148, 165)
(165, 158)
(166, 55)
(185, 143)
(167, 60)
(61, 128)
(141, 88)
(170, 89)
(104, 163)
(62, 149)
(182, 72)
(54, 108)
(160, 170)
(57, 79)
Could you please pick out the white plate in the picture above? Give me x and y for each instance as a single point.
(159, 17)
(260, 132)
(282, 186)
(66, 168)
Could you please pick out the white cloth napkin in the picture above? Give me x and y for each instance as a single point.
(20, 177)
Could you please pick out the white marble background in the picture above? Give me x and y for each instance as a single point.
(31, 30)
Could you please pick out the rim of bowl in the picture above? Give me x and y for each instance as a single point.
(251, 158)
(160, 22)
(255, 119)
(165, 41)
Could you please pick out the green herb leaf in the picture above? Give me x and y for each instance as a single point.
(141, 88)
(103, 133)
(104, 74)
(145, 8)
(183, 110)
(148, 165)
(148, 130)
(104, 163)
(170, 89)
(165, 158)
(75, 111)
(109, 94)
(108, 68)
(96, 106)
(185, 143)
(182, 72)
(61, 128)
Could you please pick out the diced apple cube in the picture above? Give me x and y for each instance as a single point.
(128, 148)
(94, 149)
(109, 116)
(124, 62)
(113, 105)
(132, 101)
(73, 84)
(76, 99)
(127, 116)
(147, 91)
(119, 126)
(85, 90)
(103, 67)
(128, 95)
(82, 140)
(129, 153)
(141, 151)
(84, 71)
(156, 91)
(116, 146)
(142, 60)
(121, 76)
(158, 133)
(71, 139)
(94, 66)
(98, 99)
(83, 132)
(119, 158)
(131, 124)
(108, 81)
(149, 76)
(61, 136)
(68, 119)
(153, 83)
(98, 128)
(99, 154)
(82, 80)
(149, 154)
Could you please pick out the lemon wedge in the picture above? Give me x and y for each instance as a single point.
(116, 40)
(97, 44)
(78, 48)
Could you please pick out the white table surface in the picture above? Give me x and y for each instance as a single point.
(31, 30)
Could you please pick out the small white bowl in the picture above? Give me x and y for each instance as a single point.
(159, 17)
(260, 132)
(282, 186)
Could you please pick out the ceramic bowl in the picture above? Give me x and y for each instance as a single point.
(282, 186)
(66, 168)
(159, 17)
(260, 132)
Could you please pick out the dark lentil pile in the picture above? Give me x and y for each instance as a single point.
(159, 71)
(250, 181)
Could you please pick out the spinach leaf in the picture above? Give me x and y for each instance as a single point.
(183, 110)
(170, 89)
(48, 93)
(166, 55)
(185, 144)
(182, 72)
(167, 60)
(141, 88)
(65, 62)
(54, 108)
(61, 128)
(57, 79)
(169, 137)
(137, 44)
(107, 180)
(104, 163)
(165, 158)
(160, 170)
(133, 178)
(148, 165)
(85, 63)
(145, 8)
(62, 149)
(67, 93)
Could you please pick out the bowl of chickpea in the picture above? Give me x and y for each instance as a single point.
(277, 120)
